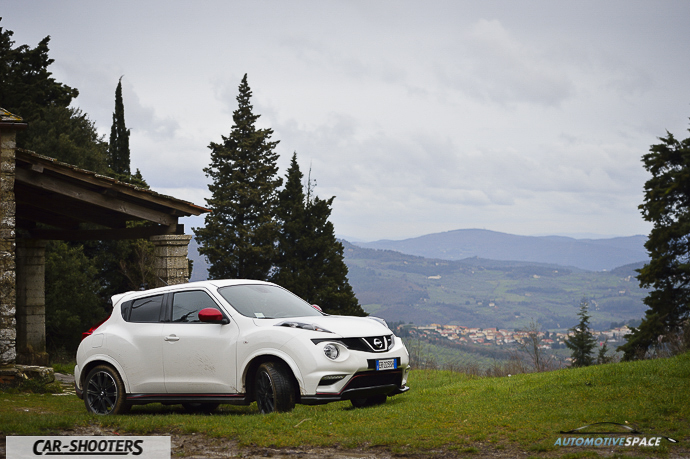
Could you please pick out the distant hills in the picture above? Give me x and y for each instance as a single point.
(587, 254)
(483, 278)
(484, 293)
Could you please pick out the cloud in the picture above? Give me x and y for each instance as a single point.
(493, 65)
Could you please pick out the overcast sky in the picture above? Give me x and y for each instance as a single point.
(523, 117)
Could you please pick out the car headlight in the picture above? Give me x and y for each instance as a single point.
(331, 351)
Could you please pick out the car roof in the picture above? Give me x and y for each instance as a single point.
(209, 284)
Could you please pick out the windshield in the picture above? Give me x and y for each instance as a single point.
(266, 302)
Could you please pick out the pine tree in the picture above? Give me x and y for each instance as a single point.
(667, 274)
(582, 343)
(118, 151)
(310, 261)
(240, 235)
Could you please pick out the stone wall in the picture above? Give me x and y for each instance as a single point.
(8, 334)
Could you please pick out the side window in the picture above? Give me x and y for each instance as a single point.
(186, 305)
(146, 309)
(126, 307)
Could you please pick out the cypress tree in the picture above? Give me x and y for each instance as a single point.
(239, 238)
(310, 260)
(118, 151)
(582, 343)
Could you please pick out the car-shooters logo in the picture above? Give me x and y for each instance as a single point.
(85, 447)
(607, 434)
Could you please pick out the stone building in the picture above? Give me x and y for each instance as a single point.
(43, 199)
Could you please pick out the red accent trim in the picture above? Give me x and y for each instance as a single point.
(138, 396)
(93, 329)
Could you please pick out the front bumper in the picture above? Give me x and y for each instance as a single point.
(363, 384)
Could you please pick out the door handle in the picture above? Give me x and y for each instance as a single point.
(172, 338)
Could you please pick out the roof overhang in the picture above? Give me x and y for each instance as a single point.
(60, 201)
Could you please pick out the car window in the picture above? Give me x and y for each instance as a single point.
(146, 310)
(186, 305)
(266, 302)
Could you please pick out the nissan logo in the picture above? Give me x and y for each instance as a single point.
(378, 343)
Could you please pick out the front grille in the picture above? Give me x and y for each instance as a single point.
(369, 344)
(379, 343)
(375, 379)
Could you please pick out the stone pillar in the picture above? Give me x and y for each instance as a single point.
(171, 264)
(31, 302)
(8, 273)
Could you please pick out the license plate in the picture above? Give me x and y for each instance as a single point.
(387, 364)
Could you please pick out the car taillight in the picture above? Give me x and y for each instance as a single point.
(93, 329)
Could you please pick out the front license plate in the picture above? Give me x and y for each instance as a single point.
(387, 364)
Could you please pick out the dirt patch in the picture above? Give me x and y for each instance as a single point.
(198, 446)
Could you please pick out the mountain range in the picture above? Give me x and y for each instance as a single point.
(586, 254)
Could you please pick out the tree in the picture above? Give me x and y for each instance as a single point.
(118, 149)
(667, 206)
(126, 264)
(602, 356)
(310, 258)
(73, 303)
(27, 87)
(582, 343)
(54, 129)
(239, 238)
(531, 349)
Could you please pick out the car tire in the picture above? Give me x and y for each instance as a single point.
(274, 388)
(200, 407)
(104, 392)
(369, 401)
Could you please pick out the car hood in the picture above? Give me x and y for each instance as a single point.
(343, 326)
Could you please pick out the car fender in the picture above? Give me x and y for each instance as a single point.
(105, 359)
(261, 353)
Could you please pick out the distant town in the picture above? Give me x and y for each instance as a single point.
(461, 334)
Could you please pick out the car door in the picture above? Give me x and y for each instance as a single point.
(198, 357)
(138, 346)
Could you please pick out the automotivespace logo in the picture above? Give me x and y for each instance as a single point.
(609, 434)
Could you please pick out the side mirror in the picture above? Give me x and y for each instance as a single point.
(317, 307)
(212, 316)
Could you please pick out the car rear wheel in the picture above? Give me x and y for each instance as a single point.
(104, 392)
(369, 401)
(274, 388)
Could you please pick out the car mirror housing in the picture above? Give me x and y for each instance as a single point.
(213, 316)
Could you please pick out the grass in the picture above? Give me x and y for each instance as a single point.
(443, 411)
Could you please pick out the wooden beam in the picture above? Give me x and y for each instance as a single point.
(178, 207)
(142, 232)
(64, 188)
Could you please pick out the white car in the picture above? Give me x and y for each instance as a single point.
(234, 341)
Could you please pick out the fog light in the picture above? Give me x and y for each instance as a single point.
(331, 351)
(330, 379)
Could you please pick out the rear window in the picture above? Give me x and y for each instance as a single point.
(143, 310)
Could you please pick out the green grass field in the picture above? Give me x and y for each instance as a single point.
(444, 411)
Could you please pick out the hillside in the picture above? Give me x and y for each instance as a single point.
(588, 254)
(486, 293)
(479, 292)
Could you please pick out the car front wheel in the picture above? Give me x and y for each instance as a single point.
(274, 388)
(104, 392)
